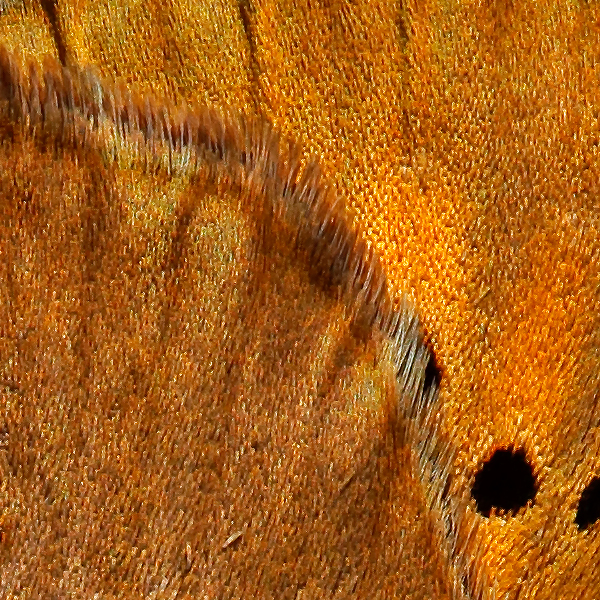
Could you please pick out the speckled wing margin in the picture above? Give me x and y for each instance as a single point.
(223, 154)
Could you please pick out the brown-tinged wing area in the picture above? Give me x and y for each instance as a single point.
(202, 378)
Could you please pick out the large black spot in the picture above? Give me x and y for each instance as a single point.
(588, 511)
(504, 482)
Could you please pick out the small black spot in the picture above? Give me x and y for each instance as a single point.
(433, 375)
(588, 511)
(505, 482)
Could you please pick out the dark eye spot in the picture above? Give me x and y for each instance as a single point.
(505, 482)
(588, 511)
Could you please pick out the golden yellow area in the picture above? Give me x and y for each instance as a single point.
(26, 30)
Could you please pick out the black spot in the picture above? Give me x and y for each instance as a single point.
(588, 511)
(505, 482)
(433, 375)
